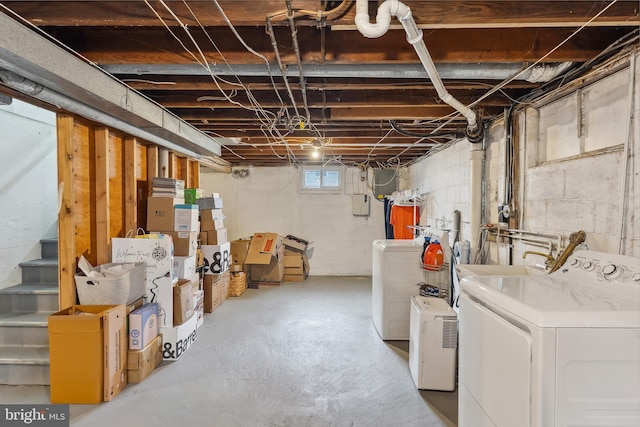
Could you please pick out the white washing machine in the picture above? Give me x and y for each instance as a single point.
(395, 275)
(552, 351)
(433, 344)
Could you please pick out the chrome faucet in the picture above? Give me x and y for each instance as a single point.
(548, 263)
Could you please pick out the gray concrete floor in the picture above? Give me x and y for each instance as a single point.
(302, 354)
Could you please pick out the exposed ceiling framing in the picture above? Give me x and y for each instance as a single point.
(367, 101)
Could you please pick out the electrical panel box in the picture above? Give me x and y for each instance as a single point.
(385, 182)
(360, 204)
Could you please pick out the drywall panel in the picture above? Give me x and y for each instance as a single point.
(28, 186)
(267, 199)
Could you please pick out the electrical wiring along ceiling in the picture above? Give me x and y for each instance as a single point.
(286, 79)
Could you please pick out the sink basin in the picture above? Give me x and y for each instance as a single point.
(497, 270)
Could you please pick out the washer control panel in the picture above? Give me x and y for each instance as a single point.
(601, 267)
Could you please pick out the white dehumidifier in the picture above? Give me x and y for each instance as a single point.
(432, 344)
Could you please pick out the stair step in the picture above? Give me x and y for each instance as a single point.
(24, 365)
(40, 271)
(24, 329)
(29, 297)
(49, 248)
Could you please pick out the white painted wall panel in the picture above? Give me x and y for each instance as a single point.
(269, 200)
(28, 186)
(558, 130)
(606, 111)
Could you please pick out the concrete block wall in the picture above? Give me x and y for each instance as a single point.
(443, 180)
(576, 164)
(573, 165)
(28, 186)
(268, 199)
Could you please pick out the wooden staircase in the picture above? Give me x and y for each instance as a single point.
(24, 308)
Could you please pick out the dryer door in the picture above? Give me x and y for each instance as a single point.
(495, 367)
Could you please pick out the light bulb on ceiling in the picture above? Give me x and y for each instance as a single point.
(315, 154)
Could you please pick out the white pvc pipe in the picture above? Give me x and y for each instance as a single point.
(163, 163)
(414, 37)
(475, 199)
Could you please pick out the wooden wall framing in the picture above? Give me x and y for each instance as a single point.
(104, 179)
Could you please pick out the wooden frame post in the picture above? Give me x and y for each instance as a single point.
(66, 225)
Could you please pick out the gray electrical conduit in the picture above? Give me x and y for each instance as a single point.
(414, 36)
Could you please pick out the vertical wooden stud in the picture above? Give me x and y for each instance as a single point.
(173, 173)
(185, 172)
(102, 208)
(130, 185)
(152, 166)
(66, 228)
(195, 175)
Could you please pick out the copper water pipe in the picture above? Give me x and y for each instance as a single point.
(574, 240)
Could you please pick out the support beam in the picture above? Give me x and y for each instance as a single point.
(66, 226)
(130, 186)
(101, 188)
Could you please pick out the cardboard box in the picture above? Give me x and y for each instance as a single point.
(176, 340)
(140, 363)
(213, 286)
(269, 273)
(266, 257)
(211, 225)
(161, 212)
(239, 249)
(184, 266)
(296, 267)
(202, 236)
(185, 243)
(263, 246)
(155, 251)
(182, 301)
(217, 237)
(121, 283)
(87, 353)
(186, 218)
(209, 203)
(294, 243)
(198, 300)
(211, 215)
(192, 194)
(217, 258)
(143, 326)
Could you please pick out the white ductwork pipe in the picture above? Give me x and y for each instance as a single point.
(396, 8)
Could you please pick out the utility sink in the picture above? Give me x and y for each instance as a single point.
(497, 270)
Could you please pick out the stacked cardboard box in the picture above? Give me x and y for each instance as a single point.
(239, 249)
(296, 262)
(178, 332)
(215, 290)
(168, 213)
(266, 259)
(145, 343)
(212, 226)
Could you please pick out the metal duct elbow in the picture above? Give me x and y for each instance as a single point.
(19, 83)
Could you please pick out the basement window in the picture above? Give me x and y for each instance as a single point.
(317, 179)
